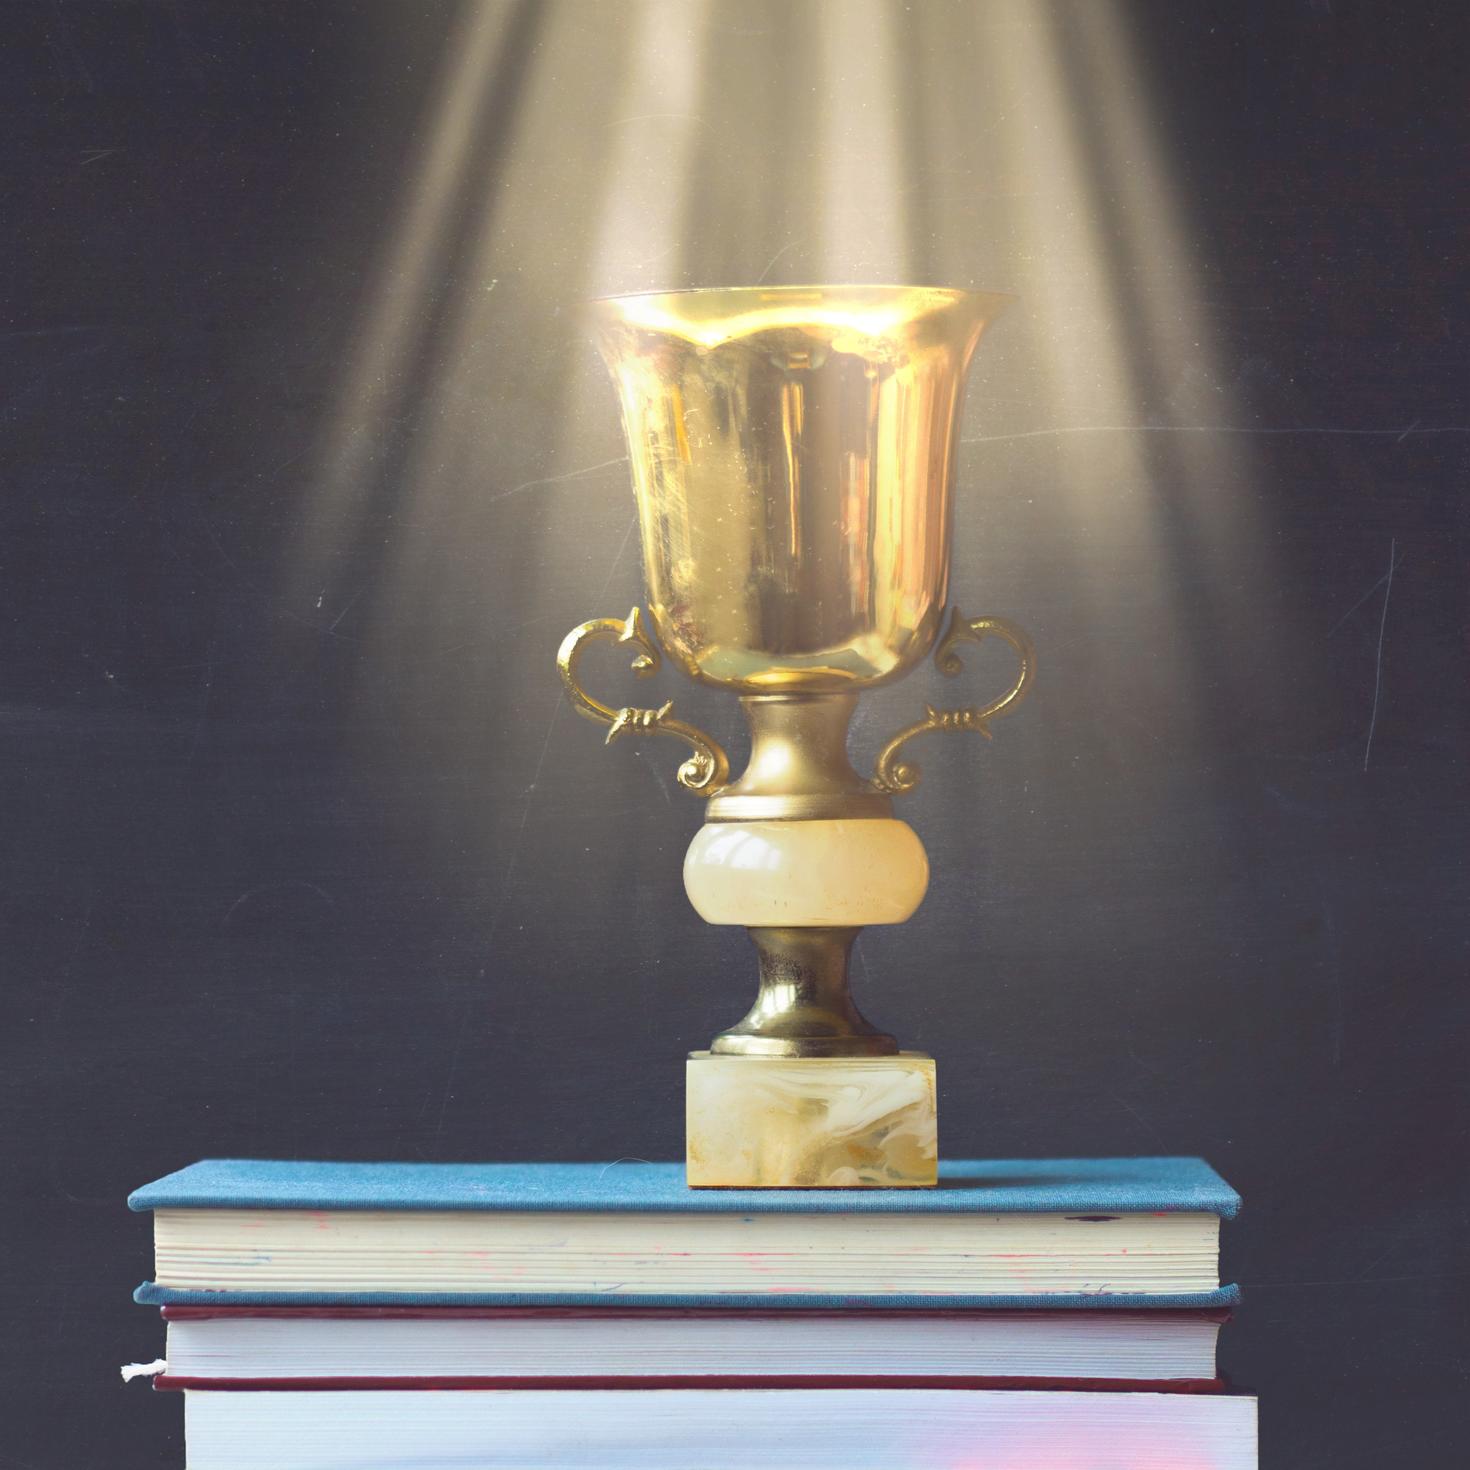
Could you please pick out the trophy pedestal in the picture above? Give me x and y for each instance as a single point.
(811, 1122)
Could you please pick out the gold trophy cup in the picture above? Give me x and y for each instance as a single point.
(793, 461)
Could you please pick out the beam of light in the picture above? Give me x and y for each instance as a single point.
(638, 232)
(588, 199)
(1203, 496)
(1060, 179)
(860, 171)
(471, 475)
(397, 307)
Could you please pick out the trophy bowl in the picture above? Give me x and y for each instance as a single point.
(792, 453)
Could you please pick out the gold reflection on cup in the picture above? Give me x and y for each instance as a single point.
(792, 454)
(792, 458)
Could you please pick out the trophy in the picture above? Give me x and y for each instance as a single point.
(792, 452)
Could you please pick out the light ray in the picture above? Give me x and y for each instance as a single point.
(471, 470)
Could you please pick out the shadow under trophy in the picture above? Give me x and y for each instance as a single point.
(793, 454)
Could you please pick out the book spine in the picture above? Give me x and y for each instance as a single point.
(168, 1381)
(178, 1312)
(151, 1294)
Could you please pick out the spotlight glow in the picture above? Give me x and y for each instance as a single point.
(572, 151)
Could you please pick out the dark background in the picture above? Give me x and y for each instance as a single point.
(301, 855)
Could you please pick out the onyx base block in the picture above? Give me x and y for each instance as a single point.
(811, 1123)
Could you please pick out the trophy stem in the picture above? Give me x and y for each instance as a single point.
(804, 1008)
(799, 770)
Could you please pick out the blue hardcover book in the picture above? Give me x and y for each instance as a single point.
(995, 1233)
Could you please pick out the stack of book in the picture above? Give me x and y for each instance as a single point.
(1059, 1314)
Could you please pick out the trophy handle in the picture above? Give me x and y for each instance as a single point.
(898, 777)
(707, 769)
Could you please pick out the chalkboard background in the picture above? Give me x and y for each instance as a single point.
(309, 466)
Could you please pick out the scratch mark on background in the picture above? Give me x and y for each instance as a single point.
(1378, 670)
(626, 1159)
(546, 745)
(1395, 434)
(347, 608)
(285, 883)
(692, 117)
(772, 261)
(1128, 1107)
(656, 257)
(525, 485)
(1369, 593)
(663, 785)
(45, 332)
(479, 642)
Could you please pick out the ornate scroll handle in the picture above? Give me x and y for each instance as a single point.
(898, 776)
(707, 769)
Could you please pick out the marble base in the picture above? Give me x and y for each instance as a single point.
(813, 1123)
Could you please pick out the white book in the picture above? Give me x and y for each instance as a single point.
(315, 1346)
(720, 1429)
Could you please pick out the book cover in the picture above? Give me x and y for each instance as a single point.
(314, 1348)
(856, 1429)
(966, 1186)
(1076, 1190)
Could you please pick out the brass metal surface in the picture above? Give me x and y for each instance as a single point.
(707, 769)
(892, 774)
(798, 768)
(792, 451)
(792, 454)
(804, 1007)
